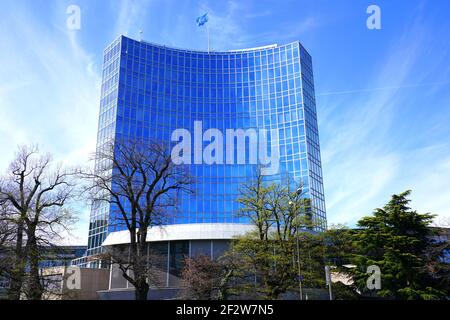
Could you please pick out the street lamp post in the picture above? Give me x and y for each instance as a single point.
(299, 270)
(329, 281)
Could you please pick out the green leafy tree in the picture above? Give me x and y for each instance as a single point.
(338, 245)
(338, 249)
(270, 263)
(399, 241)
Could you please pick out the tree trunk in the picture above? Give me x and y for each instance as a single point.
(18, 269)
(140, 272)
(34, 290)
(141, 290)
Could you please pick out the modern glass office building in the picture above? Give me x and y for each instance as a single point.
(150, 90)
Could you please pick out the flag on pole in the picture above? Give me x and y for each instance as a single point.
(202, 19)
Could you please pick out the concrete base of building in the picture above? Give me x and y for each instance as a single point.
(128, 294)
(176, 293)
(64, 283)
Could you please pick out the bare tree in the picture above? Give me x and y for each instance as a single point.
(7, 235)
(205, 278)
(201, 277)
(35, 191)
(141, 184)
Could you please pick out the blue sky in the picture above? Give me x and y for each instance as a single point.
(383, 96)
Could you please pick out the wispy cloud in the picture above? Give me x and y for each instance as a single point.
(49, 93)
(225, 26)
(258, 14)
(131, 16)
(364, 90)
(364, 160)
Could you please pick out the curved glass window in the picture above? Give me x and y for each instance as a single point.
(148, 91)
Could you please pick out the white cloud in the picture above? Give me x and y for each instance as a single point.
(131, 17)
(231, 29)
(49, 94)
(364, 160)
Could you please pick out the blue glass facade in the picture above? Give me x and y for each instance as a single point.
(148, 91)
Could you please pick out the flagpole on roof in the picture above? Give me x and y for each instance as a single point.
(207, 29)
(200, 22)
